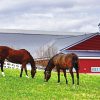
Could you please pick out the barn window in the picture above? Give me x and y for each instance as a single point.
(95, 69)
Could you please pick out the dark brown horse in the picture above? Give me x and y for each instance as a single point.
(21, 56)
(63, 62)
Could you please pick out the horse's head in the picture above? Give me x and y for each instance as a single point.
(33, 72)
(47, 75)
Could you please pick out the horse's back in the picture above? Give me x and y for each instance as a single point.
(24, 52)
(21, 53)
(59, 59)
(4, 51)
(64, 60)
(4, 48)
(13, 55)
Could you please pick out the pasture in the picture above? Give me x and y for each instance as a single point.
(12, 87)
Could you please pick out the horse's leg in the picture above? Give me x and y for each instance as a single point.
(21, 72)
(58, 70)
(23, 66)
(77, 74)
(26, 72)
(65, 76)
(72, 75)
(2, 63)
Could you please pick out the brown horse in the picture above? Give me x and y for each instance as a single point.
(21, 56)
(63, 62)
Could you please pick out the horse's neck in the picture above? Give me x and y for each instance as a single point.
(32, 62)
(49, 67)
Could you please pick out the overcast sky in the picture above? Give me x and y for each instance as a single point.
(50, 15)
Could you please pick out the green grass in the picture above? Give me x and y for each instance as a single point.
(14, 88)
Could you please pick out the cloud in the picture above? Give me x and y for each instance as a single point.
(50, 15)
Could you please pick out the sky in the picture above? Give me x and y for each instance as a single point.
(50, 15)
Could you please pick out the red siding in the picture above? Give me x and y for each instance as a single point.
(90, 44)
(86, 64)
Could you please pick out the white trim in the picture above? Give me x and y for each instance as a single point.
(79, 58)
(83, 50)
(89, 57)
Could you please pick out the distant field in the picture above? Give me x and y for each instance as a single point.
(14, 88)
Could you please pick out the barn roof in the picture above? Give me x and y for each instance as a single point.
(75, 40)
(39, 32)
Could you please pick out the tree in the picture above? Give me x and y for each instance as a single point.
(47, 51)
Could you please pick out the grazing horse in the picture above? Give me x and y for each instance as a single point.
(63, 62)
(21, 56)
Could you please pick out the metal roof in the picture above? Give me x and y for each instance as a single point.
(73, 40)
(23, 31)
(32, 42)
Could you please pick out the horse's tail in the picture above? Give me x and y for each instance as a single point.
(75, 61)
(76, 66)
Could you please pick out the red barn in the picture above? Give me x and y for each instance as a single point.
(88, 50)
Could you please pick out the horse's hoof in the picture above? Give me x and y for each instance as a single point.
(27, 76)
(20, 76)
(58, 83)
(32, 76)
(3, 74)
(66, 82)
(45, 80)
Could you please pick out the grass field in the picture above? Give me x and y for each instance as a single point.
(14, 88)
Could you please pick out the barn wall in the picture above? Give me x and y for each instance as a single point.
(90, 44)
(87, 64)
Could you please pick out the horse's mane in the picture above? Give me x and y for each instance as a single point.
(28, 53)
(31, 60)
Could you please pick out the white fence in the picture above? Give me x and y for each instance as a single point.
(11, 65)
(14, 66)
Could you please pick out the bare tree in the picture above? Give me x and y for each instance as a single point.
(40, 52)
(51, 51)
(47, 51)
